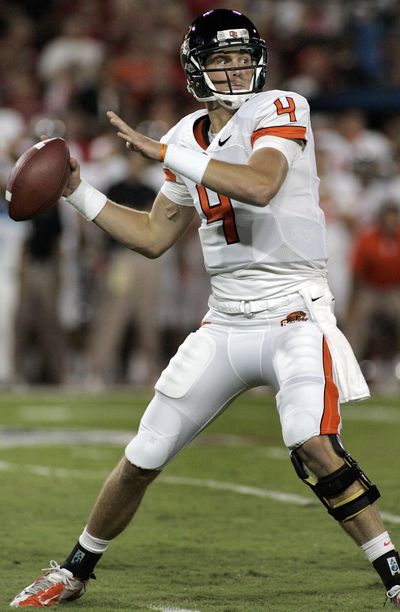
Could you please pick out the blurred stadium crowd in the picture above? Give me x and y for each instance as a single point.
(76, 308)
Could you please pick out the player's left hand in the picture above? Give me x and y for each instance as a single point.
(134, 140)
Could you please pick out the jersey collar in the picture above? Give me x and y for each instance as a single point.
(200, 131)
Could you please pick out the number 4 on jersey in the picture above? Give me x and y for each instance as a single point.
(220, 211)
(286, 109)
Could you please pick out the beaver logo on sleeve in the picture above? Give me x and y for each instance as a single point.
(293, 317)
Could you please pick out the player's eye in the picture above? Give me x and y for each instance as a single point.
(245, 60)
(216, 61)
(221, 60)
(225, 59)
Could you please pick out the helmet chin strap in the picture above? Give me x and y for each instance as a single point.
(233, 101)
(229, 100)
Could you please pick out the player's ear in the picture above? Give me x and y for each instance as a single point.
(44, 137)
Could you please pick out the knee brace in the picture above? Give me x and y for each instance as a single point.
(338, 482)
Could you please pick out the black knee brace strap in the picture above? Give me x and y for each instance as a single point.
(338, 482)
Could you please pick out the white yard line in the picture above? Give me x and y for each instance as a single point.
(370, 414)
(46, 414)
(15, 437)
(239, 489)
(390, 518)
(288, 498)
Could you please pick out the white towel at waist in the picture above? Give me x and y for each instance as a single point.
(349, 378)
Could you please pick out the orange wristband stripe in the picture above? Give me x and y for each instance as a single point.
(163, 150)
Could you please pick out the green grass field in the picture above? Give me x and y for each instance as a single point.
(212, 534)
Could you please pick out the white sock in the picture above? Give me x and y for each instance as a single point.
(378, 546)
(92, 544)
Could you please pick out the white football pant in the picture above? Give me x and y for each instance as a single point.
(229, 355)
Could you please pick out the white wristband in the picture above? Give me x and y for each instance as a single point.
(191, 164)
(87, 200)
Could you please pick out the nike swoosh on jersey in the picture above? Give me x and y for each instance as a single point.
(222, 142)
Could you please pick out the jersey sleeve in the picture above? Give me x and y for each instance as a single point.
(281, 114)
(174, 186)
(289, 148)
(175, 189)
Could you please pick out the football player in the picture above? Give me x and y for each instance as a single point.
(245, 164)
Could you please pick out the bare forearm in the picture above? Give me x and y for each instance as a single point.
(150, 234)
(240, 182)
(128, 226)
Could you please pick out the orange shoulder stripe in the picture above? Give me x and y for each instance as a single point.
(293, 132)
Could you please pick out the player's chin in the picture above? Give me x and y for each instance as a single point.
(238, 88)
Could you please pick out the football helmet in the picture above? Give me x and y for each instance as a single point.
(226, 30)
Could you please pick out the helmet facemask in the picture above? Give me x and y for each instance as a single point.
(231, 98)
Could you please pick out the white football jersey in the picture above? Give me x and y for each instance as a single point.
(255, 252)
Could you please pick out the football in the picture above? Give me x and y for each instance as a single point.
(38, 179)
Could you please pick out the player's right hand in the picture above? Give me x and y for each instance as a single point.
(134, 140)
(74, 177)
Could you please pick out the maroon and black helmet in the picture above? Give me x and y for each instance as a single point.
(226, 30)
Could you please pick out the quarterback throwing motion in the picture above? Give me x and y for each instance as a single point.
(245, 164)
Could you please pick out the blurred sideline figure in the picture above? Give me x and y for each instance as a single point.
(39, 341)
(246, 165)
(372, 322)
(340, 199)
(128, 301)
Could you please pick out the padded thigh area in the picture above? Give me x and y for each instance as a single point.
(197, 385)
(297, 354)
(299, 369)
(188, 365)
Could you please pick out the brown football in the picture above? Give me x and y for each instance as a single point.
(38, 179)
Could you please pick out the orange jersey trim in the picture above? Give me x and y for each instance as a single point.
(169, 176)
(330, 420)
(199, 131)
(283, 131)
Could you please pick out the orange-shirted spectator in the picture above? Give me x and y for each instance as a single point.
(373, 321)
(376, 254)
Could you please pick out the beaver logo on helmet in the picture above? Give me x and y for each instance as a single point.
(228, 30)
